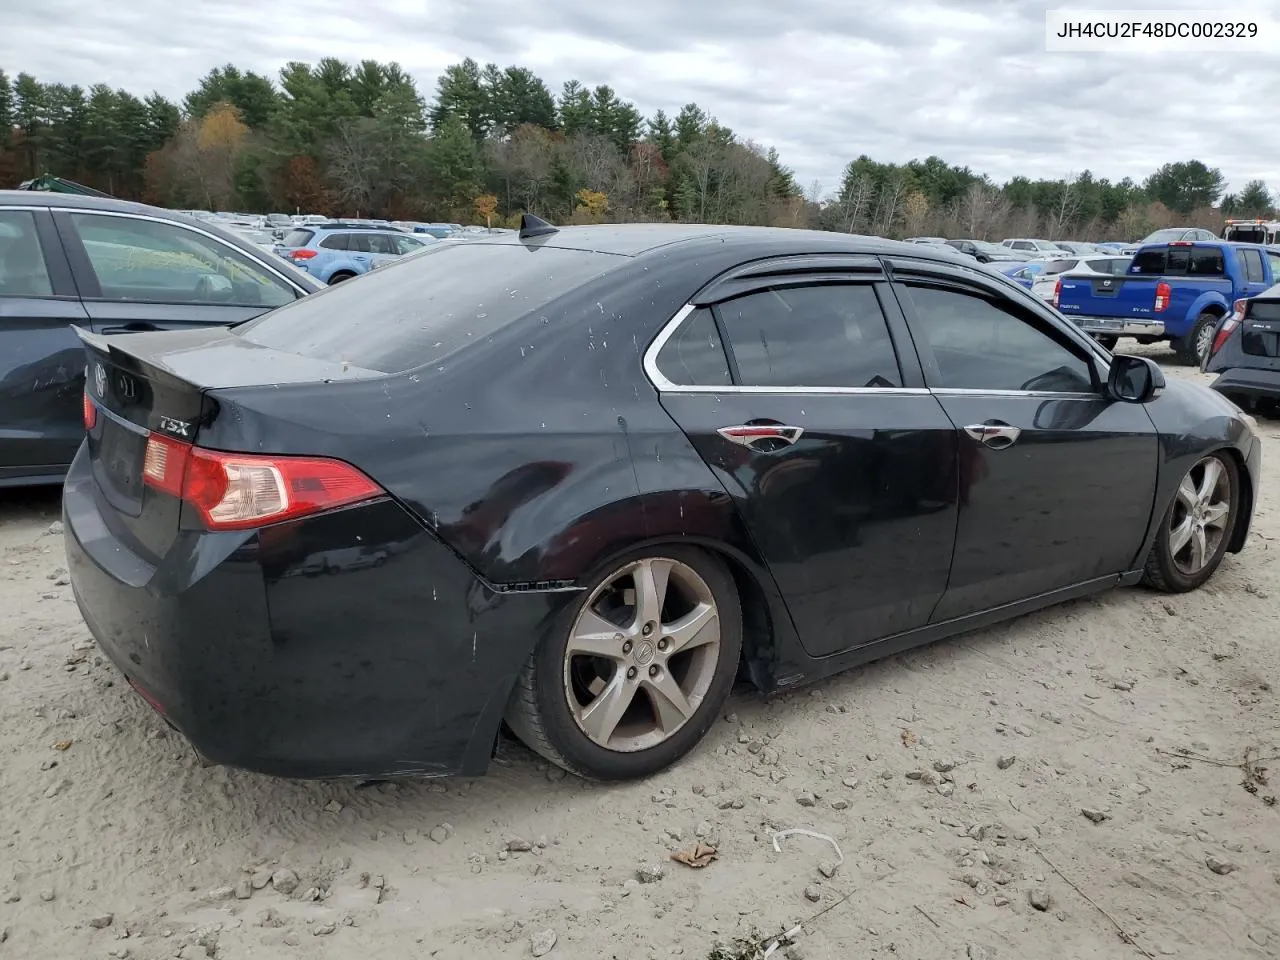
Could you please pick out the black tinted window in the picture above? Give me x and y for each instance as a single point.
(818, 336)
(1253, 266)
(694, 356)
(297, 238)
(22, 269)
(335, 241)
(429, 306)
(1058, 266)
(382, 243)
(980, 344)
(1179, 262)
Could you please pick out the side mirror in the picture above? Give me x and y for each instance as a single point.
(1134, 379)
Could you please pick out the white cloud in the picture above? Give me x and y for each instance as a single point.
(822, 80)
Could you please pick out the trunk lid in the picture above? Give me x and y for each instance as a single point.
(145, 384)
(1260, 331)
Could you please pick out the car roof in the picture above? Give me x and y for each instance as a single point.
(46, 198)
(639, 239)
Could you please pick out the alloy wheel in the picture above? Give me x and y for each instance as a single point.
(1204, 340)
(1198, 521)
(642, 654)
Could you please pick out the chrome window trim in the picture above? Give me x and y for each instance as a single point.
(663, 385)
(171, 223)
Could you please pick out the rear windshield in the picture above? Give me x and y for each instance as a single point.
(1179, 262)
(1267, 310)
(426, 305)
(298, 238)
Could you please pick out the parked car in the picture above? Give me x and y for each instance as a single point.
(935, 240)
(1082, 249)
(1246, 353)
(1045, 284)
(1021, 273)
(1175, 291)
(1035, 248)
(985, 252)
(339, 250)
(591, 513)
(111, 267)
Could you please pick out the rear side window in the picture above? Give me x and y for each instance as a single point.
(22, 268)
(298, 238)
(813, 336)
(1253, 271)
(335, 241)
(1059, 266)
(429, 306)
(1179, 262)
(694, 356)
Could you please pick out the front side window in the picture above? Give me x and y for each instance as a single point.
(830, 335)
(22, 268)
(980, 343)
(407, 244)
(145, 261)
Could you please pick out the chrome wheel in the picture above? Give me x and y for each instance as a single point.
(1204, 340)
(1198, 521)
(642, 654)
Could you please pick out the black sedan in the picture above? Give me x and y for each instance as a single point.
(1245, 353)
(110, 267)
(580, 480)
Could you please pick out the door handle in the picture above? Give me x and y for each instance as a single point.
(763, 436)
(995, 434)
(139, 327)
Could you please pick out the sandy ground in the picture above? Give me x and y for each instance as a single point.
(953, 778)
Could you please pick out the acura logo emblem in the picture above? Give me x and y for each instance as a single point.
(100, 379)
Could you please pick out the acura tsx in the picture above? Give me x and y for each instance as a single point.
(579, 480)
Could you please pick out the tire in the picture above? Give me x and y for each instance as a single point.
(340, 276)
(1194, 347)
(548, 709)
(1164, 570)
(1108, 343)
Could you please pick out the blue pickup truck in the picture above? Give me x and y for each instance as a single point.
(1172, 291)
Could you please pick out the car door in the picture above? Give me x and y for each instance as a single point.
(1253, 273)
(1056, 481)
(41, 358)
(142, 273)
(840, 462)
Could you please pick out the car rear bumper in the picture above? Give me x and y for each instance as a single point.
(1119, 326)
(351, 644)
(1242, 381)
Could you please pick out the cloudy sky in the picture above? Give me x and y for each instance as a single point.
(822, 80)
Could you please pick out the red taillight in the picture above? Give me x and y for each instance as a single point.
(235, 491)
(301, 254)
(90, 411)
(1057, 292)
(1182, 243)
(1163, 293)
(1228, 325)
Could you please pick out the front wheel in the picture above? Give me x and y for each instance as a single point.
(629, 679)
(1197, 526)
(340, 276)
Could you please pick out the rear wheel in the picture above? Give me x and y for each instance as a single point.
(340, 276)
(1197, 527)
(1194, 347)
(628, 680)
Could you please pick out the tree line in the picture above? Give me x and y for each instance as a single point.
(492, 142)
